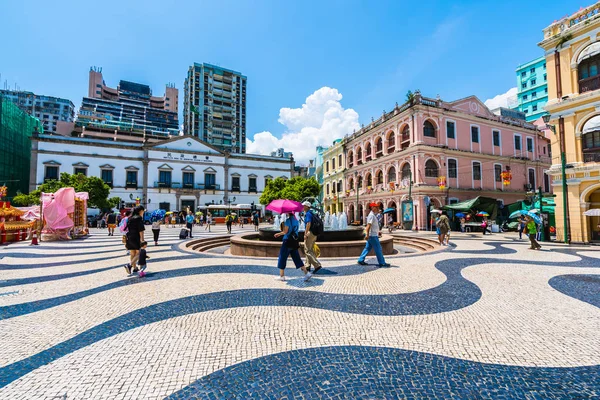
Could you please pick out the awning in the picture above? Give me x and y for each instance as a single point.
(593, 124)
(589, 51)
(487, 204)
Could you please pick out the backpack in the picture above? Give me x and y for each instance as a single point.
(123, 225)
(316, 225)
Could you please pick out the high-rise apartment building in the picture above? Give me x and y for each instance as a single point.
(532, 86)
(214, 108)
(128, 108)
(49, 110)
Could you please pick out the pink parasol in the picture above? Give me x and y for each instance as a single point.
(284, 206)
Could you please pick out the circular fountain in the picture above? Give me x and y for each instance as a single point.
(337, 240)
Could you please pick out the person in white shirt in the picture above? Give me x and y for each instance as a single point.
(373, 235)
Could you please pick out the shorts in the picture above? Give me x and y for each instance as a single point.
(112, 226)
(133, 243)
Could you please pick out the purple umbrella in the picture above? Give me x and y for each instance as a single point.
(282, 206)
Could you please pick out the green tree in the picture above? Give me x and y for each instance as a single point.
(97, 190)
(296, 188)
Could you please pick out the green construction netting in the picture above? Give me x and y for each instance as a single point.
(16, 128)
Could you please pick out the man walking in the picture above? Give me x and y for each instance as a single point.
(255, 221)
(373, 235)
(189, 222)
(228, 222)
(111, 221)
(309, 239)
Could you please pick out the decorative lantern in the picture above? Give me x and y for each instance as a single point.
(369, 189)
(392, 186)
(3, 190)
(506, 177)
(441, 182)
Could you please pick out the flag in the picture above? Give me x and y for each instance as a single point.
(194, 109)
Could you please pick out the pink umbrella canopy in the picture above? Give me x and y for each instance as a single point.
(282, 206)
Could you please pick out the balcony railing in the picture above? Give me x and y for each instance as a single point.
(235, 188)
(589, 84)
(252, 190)
(591, 157)
(131, 185)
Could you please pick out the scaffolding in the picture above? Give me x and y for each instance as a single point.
(16, 128)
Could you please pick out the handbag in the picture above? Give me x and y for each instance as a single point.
(293, 243)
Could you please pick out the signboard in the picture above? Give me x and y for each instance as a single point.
(186, 157)
(407, 214)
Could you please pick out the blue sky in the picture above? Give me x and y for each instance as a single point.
(371, 52)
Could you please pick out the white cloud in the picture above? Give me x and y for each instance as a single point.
(506, 100)
(319, 121)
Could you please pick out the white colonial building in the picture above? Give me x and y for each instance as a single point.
(173, 174)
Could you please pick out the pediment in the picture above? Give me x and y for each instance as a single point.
(252, 176)
(52, 162)
(107, 166)
(235, 174)
(471, 105)
(165, 167)
(186, 144)
(132, 168)
(188, 168)
(210, 170)
(81, 165)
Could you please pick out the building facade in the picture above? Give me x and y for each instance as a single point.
(426, 142)
(128, 107)
(572, 47)
(333, 186)
(214, 108)
(532, 86)
(49, 110)
(172, 175)
(16, 129)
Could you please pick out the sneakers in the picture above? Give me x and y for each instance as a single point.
(135, 270)
(317, 268)
(142, 274)
(128, 269)
(307, 276)
(384, 265)
(142, 268)
(362, 263)
(280, 278)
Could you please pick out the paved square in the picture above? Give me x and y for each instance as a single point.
(483, 318)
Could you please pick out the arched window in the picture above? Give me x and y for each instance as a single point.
(406, 171)
(368, 152)
(405, 133)
(351, 184)
(339, 186)
(428, 129)
(350, 159)
(431, 169)
(358, 156)
(380, 177)
(369, 180)
(391, 144)
(591, 139)
(391, 176)
(378, 147)
(589, 68)
(359, 182)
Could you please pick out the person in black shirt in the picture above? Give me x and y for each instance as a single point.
(143, 256)
(111, 221)
(135, 237)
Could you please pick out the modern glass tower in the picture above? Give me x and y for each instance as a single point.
(214, 109)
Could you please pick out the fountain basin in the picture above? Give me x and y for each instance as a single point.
(349, 234)
(252, 245)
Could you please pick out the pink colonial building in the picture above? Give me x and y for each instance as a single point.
(430, 141)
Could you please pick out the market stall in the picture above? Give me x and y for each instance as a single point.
(64, 214)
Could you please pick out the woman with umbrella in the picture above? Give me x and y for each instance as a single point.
(531, 228)
(157, 216)
(290, 243)
(485, 224)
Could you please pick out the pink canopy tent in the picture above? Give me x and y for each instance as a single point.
(57, 209)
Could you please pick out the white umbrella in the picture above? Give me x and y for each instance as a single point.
(594, 212)
(436, 211)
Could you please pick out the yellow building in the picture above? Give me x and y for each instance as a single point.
(572, 47)
(334, 164)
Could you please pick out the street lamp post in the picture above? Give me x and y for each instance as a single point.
(356, 188)
(563, 167)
